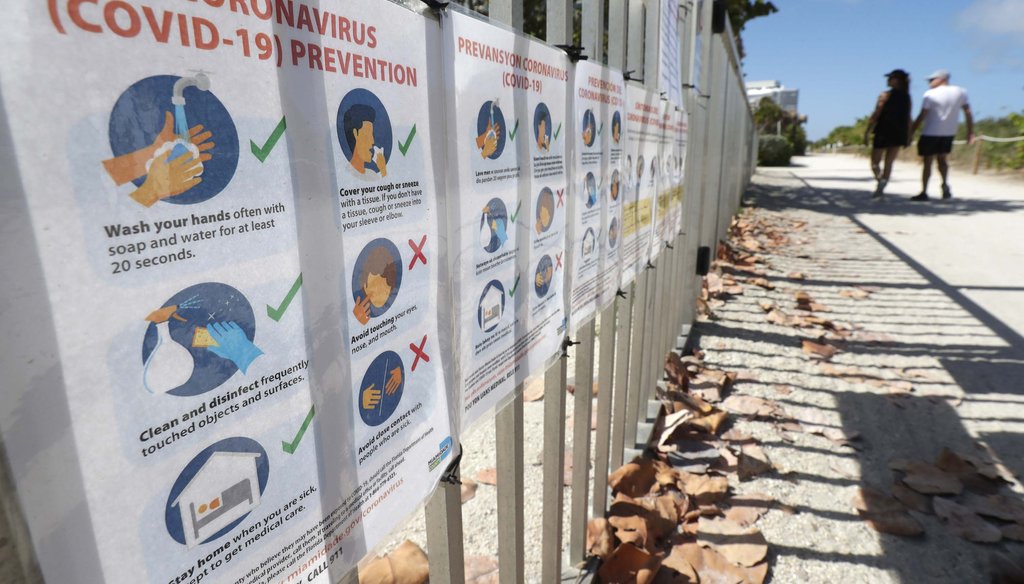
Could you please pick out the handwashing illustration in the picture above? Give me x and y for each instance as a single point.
(157, 150)
(197, 340)
(490, 139)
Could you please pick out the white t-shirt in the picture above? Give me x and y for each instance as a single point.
(943, 104)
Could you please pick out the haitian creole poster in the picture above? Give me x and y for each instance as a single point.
(643, 135)
(679, 130)
(596, 202)
(166, 227)
(507, 168)
(664, 222)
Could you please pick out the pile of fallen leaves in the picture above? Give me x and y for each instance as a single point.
(966, 491)
(674, 517)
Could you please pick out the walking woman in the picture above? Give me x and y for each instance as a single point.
(891, 124)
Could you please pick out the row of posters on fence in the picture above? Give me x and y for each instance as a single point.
(260, 241)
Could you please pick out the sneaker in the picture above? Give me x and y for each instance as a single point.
(880, 189)
(946, 193)
(921, 197)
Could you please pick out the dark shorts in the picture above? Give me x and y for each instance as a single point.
(932, 145)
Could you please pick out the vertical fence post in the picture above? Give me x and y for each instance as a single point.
(554, 468)
(636, 363)
(508, 424)
(606, 372)
(624, 311)
(582, 401)
(444, 533)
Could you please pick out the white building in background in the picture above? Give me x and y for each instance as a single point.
(786, 98)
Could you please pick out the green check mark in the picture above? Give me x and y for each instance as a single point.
(277, 313)
(515, 128)
(290, 447)
(516, 214)
(512, 292)
(403, 148)
(558, 130)
(261, 154)
(599, 130)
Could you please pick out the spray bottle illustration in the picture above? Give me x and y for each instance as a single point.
(491, 133)
(169, 364)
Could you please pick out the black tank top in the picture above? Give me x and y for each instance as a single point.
(892, 122)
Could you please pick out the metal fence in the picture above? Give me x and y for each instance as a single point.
(649, 319)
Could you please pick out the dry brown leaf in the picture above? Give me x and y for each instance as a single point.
(407, 564)
(1007, 508)
(676, 570)
(749, 405)
(796, 276)
(468, 489)
(911, 499)
(820, 350)
(629, 565)
(487, 476)
(744, 546)
(633, 479)
(600, 539)
(630, 529)
(856, 294)
(713, 568)
(747, 509)
(1014, 531)
(900, 388)
(884, 513)
(752, 462)
(928, 479)
(533, 390)
(705, 490)
(762, 283)
(766, 305)
(964, 470)
(710, 422)
(966, 523)
(481, 570)
(782, 389)
(736, 435)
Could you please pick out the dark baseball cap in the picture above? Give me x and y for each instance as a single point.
(897, 73)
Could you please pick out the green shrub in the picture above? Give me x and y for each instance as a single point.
(774, 151)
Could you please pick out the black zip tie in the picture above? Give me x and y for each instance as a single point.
(566, 344)
(451, 474)
(437, 5)
(650, 266)
(628, 76)
(575, 52)
(668, 245)
(621, 293)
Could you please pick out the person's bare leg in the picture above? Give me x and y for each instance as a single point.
(890, 157)
(926, 173)
(944, 171)
(876, 157)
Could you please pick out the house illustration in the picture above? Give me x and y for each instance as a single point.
(225, 488)
(491, 307)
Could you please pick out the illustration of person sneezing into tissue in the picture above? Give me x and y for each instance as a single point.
(364, 134)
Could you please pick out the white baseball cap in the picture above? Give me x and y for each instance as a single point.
(939, 74)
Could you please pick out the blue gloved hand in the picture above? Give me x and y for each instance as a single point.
(499, 230)
(233, 344)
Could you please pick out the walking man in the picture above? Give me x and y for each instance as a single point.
(940, 114)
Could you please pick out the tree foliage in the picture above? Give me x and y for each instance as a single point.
(743, 11)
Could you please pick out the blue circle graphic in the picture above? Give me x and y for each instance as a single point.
(491, 306)
(545, 212)
(589, 123)
(590, 189)
(381, 259)
(494, 227)
(490, 116)
(386, 377)
(202, 305)
(542, 277)
(616, 127)
(613, 233)
(139, 115)
(358, 107)
(233, 446)
(541, 114)
(614, 187)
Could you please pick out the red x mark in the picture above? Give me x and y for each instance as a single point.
(561, 201)
(419, 352)
(558, 258)
(417, 251)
